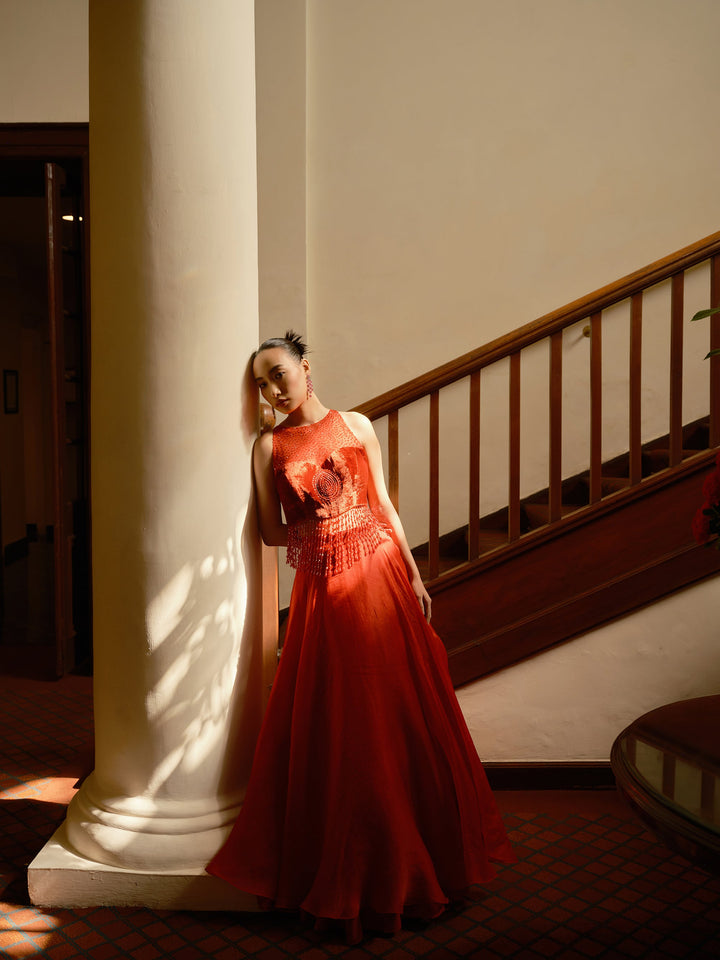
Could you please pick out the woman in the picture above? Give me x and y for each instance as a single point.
(366, 800)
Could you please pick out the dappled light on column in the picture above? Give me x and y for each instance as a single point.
(176, 560)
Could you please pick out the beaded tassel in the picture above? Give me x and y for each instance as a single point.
(329, 546)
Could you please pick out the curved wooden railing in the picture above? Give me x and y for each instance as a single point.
(550, 327)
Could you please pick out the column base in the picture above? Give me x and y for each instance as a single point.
(58, 877)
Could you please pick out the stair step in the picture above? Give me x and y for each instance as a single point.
(655, 460)
(538, 514)
(445, 566)
(658, 458)
(489, 540)
(696, 436)
(492, 539)
(613, 484)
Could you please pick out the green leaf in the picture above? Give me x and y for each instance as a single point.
(713, 353)
(701, 314)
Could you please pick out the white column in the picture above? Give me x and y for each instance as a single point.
(178, 658)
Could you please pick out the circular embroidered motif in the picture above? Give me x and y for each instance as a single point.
(327, 485)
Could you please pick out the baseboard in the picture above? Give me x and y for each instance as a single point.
(543, 775)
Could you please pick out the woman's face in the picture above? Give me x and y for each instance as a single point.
(281, 378)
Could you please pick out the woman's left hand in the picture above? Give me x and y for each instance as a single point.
(422, 595)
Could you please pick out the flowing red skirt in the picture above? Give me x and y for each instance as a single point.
(367, 800)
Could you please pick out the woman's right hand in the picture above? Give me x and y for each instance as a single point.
(422, 595)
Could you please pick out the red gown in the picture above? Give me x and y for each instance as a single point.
(366, 800)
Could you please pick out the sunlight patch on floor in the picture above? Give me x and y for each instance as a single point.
(47, 789)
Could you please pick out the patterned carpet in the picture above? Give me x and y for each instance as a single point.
(590, 881)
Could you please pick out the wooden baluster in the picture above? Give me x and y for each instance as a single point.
(514, 459)
(474, 510)
(556, 383)
(715, 345)
(676, 368)
(434, 531)
(636, 389)
(595, 407)
(393, 459)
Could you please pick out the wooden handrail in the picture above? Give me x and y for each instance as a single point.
(577, 310)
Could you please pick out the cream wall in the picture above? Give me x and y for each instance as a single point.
(281, 144)
(473, 164)
(44, 61)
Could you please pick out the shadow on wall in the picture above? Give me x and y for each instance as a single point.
(215, 652)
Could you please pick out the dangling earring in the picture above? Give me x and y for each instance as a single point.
(309, 386)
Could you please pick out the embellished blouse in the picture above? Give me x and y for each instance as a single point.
(322, 475)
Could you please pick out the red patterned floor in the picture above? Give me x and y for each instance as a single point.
(590, 882)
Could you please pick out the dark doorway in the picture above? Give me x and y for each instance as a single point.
(45, 626)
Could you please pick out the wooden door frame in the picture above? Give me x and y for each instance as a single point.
(40, 139)
(55, 142)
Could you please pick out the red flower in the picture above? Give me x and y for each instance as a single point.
(711, 488)
(706, 522)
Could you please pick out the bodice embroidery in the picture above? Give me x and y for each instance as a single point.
(321, 473)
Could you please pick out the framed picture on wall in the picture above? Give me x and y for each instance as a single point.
(10, 391)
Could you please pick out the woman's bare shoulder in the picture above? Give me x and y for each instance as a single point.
(262, 448)
(358, 423)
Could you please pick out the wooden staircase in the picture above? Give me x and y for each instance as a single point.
(575, 496)
(587, 547)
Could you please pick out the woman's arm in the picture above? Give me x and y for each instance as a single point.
(272, 529)
(381, 504)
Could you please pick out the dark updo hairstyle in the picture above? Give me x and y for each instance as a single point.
(292, 342)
